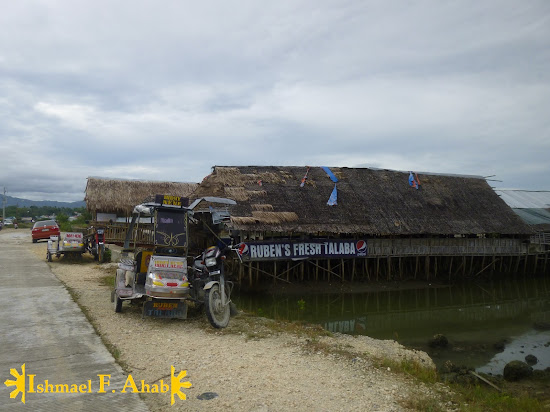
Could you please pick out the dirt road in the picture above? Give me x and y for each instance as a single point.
(253, 365)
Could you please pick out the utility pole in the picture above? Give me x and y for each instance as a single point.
(4, 206)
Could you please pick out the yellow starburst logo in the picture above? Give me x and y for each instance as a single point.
(176, 385)
(19, 383)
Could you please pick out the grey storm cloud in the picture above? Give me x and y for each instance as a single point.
(164, 91)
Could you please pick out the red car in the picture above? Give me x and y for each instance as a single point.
(44, 229)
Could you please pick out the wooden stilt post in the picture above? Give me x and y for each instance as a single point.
(416, 267)
(377, 267)
(450, 268)
(342, 270)
(316, 270)
(275, 272)
(287, 271)
(389, 267)
(329, 269)
(427, 267)
(353, 269)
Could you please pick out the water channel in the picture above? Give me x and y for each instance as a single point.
(475, 317)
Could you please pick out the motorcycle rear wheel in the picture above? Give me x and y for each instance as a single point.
(217, 314)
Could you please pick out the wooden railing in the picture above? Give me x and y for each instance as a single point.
(445, 247)
(115, 233)
(541, 238)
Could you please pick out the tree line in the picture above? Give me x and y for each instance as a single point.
(62, 214)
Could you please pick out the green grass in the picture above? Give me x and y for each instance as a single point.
(422, 403)
(107, 280)
(411, 368)
(485, 399)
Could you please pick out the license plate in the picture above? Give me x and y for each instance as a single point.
(165, 309)
(45, 230)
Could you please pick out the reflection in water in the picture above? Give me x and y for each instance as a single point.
(473, 316)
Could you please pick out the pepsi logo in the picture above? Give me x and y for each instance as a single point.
(361, 246)
(243, 249)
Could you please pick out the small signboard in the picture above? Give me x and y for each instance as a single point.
(74, 236)
(169, 200)
(167, 262)
(165, 308)
(302, 249)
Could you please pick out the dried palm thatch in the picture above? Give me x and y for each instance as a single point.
(120, 196)
(274, 217)
(262, 208)
(370, 202)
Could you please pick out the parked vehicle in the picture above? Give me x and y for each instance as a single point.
(208, 279)
(95, 243)
(44, 230)
(72, 242)
(160, 277)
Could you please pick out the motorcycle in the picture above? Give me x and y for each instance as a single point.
(212, 287)
(97, 247)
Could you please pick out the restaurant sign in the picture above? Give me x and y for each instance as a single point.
(302, 249)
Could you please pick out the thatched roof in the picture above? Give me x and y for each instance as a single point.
(120, 196)
(370, 201)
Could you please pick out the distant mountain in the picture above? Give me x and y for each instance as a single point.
(15, 201)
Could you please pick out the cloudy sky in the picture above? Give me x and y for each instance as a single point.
(163, 90)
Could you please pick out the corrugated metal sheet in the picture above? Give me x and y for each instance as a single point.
(534, 216)
(525, 199)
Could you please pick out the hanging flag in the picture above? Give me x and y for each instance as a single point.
(412, 182)
(304, 178)
(417, 182)
(330, 174)
(333, 199)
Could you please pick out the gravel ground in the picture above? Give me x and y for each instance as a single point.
(254, 364)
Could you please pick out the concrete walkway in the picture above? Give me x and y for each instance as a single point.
(43, 328)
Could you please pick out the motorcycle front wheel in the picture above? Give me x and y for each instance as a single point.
(217, 314)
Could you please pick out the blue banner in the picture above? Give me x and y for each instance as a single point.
(333, 199)
(304, 249)
(330, 174)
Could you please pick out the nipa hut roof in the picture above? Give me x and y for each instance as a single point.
(370, 201)
(120, 196)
